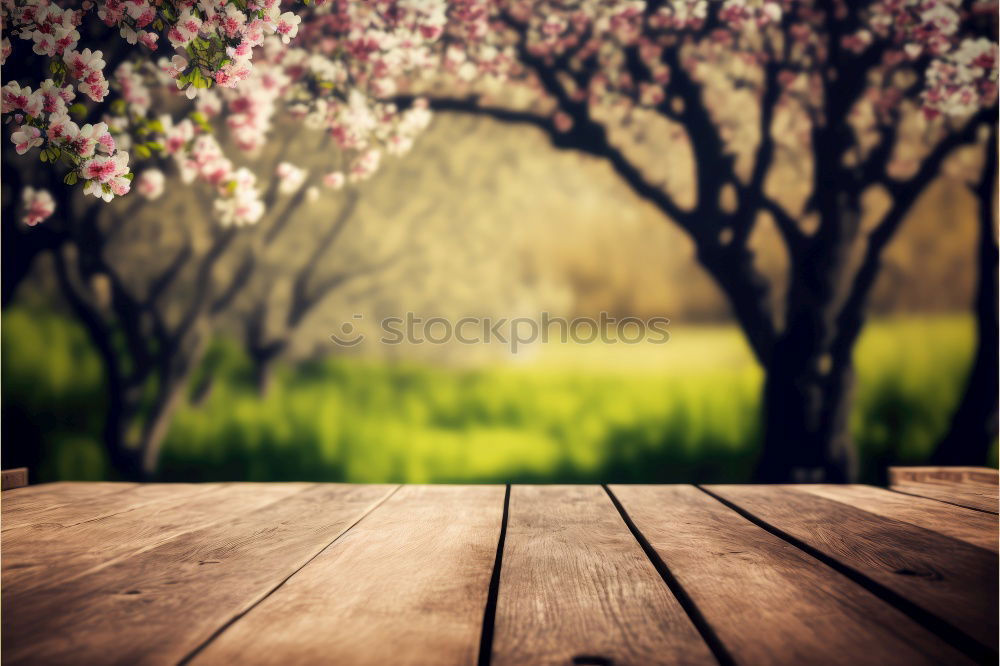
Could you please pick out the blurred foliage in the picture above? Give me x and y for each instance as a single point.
(682, 412)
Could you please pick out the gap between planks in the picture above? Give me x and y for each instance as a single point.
(218, 632)
(946, 629)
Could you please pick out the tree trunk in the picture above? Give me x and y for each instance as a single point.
(806, 409)
(125, 459)
(157, 425)
(263, 377)
(263, 357)
(973, 428)
(809, 376)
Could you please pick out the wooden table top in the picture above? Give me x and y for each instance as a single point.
(297, 573)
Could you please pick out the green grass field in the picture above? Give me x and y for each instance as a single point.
(684, 411)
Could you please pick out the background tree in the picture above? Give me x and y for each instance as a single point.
(880, 93)
(226, 61)
(973, 428)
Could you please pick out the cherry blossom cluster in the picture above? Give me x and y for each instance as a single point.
(38, 206)
(334, 66)
(53, 33)
(198, 156)
(217, 36)
(237, 62)
(960, 72)
(614, 53)
(43, 121)
(962, 81)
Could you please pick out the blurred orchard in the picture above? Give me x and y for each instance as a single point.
(198, 193)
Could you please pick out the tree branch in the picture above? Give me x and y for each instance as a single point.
(905, 193)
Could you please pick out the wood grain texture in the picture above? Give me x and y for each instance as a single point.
(97, 505)
(949, 579)
(407, 585)
(575, 584)
(47, 555)
(157, 606)
(13, 478)
(975, 527)
(966, 496)
(980, 475)
(768, 602)
(970, 487)
(20, 505)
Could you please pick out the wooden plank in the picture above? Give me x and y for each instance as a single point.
(577, 588)
(47, 555)
(975, 527)
(157, 606)
(971, 475)
(98, 505)
(952, 582)
(20, 505)
(407, 585)
(766, 601)
(969, 498)
(13, 478)
(971, 487)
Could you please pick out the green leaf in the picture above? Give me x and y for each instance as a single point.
(78, 111)
(129, 176)
(142, 151)
(71, 178)
(155, 145)
(156, 126)
(118, 107)
(43, 156)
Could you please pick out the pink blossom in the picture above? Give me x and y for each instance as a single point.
(334, 180)
(562, 121)
(26, 138)
(290, 177)
(288, 26)
(150, 184)
(38, 206)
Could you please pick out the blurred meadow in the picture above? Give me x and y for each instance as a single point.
(683, 411)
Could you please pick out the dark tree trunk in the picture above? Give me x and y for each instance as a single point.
(809, 376)
(125, 460)
(806, 409)
(263, 376)
(973, 428)
(21, 246)
(263, 358)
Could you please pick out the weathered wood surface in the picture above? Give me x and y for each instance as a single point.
(575, 584)
(734, 570)
(161, 604)
(975, 527)
(13, 478)
(25, 506)
(971, 487)
(49, 555)
(327, 573)
(407, 585)
(110, 500)
(941, 576)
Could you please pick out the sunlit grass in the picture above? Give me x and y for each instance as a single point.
(683, 411)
